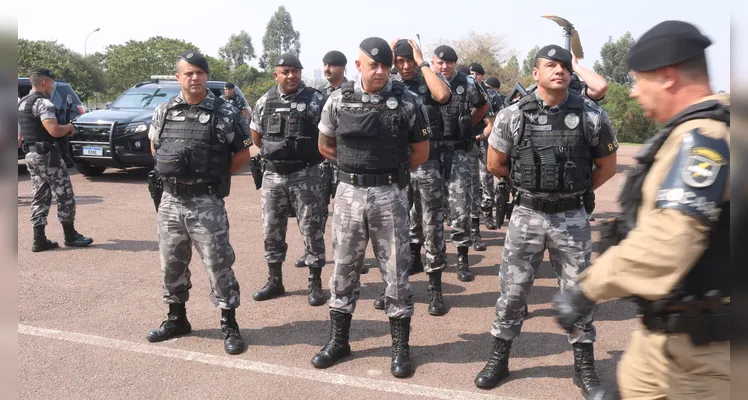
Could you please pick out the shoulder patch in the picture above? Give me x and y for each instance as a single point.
(696, 182)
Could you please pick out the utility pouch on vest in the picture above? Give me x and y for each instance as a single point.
(466, 126)
(549, 169)
(359, 124)
(199, 161)
(527, 166)
(172, 162)
(277, 150)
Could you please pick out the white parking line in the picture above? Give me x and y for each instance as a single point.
(264, 368)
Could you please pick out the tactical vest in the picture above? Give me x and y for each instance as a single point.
(458, 122)
(418, 85)
(190, 146)
(32, 129)
(551, 153)
(290, 132)
(371, 136)
(712, 270)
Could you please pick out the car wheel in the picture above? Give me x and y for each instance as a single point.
(89, 170)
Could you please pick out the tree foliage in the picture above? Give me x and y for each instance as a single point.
(629, 123)
(238, 50)
(263, 82)
(280, 38)
(83, 74)
(613, 65)
(529, 63)
(135, 61)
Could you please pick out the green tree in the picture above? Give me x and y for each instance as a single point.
(219, 71)
(280, 38)
(238, 50)
(83, 74)
(629, 123)
(245, 75)
(612, 64)
(136, 61)
(262, 83)
(529, 62)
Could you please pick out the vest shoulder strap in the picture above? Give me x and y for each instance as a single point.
(347, 87)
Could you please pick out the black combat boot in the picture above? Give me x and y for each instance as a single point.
(490, 220)
(416, 265)
(478, 244)
(232, 342)
(400, 331)
(436, 303)
(73, 238)
(584, 367)
(316, 297)
(274, 287)
(41, 243)
(337, 346)
(379, 302)
(463, 268)
(497, 367)
(301, 262)
(176, 324)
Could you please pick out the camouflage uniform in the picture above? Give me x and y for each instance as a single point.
(488, 189)
(48, 180)
(298, 191)
(379, 213)
(200, 220)
(566, 234)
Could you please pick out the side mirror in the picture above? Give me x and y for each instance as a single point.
(108, 103)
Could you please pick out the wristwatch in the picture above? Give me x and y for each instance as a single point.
(424, 64)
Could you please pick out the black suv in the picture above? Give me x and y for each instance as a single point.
(60, 94)
(118, 135)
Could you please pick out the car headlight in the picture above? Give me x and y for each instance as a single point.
(136, 127)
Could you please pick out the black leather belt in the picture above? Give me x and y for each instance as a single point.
(550, 206)
(369, 180)
(455, 145)
(285, 168)
(197, 189)
(38, 147)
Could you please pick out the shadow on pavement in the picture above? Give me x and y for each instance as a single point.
(134, 176)
(130, 245)
(25, 201)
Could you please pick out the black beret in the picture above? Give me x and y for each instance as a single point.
(462, 68)
(667, 43)
(403, 49)
(378, 49)
(196, 59)
(556, 53)
(228, 85)
(493, 82)
(42, 72)
(446, 53)
(335, 57)
(288, 60)
(476, 67)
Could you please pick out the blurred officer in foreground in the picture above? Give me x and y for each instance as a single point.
(49, 176)
(550, 138)
(671, 244)
(198, 141)
(377, 132)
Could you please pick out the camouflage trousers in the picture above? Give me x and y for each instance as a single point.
(381, 214)
(475, 192)
(328, 171)
(302, 192)
(48, 182)
(201, 221)
(487, 186)
(460, 197)
(427, 215)
(567, 237)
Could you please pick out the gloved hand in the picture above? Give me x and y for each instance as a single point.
(570, 306)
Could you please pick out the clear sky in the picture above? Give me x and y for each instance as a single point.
(342, 25)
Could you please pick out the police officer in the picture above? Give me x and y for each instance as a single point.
(377, 132)
(679, 276)
(465, 110)
(49, 175)
(551, 138)
(284, 127)
(490, 196)
(484, 195)
(230, 96)
(198, 140)
(427, 182)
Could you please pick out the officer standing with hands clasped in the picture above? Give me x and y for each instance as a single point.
(671, 244)
(551, 138)
(49, 175)
(377, 132)
(284, 127)
(198, 140)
